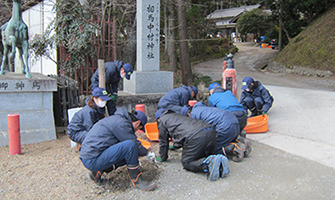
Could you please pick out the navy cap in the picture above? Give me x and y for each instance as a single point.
(184, 110)
(195, 90)
(246, 82)
(102, 93)
(128, 69)
(159, 112)
(142, 117)
(213, 85)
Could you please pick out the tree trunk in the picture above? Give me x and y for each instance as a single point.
(165, 29)
(187, 76)
(171, 37)
(130, 49)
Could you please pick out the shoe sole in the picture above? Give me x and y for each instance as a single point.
(214, 174)
(225, 166)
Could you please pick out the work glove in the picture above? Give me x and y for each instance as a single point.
(159, 159)
(151, 156)
(113, 96)
(171, 147)
(263, 113)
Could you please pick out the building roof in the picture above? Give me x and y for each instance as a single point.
(231, 12)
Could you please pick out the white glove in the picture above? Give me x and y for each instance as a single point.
(151, 156)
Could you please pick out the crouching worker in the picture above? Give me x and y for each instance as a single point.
(198, 140)
(85, 118)
(112, 143)
(176, 98)
(227, 129)
(255, 97)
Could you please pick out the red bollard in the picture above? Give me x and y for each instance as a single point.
(140, 107)
(192, 102)
(14, 134)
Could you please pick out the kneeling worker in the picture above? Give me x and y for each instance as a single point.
(112, 143)
(198, 140)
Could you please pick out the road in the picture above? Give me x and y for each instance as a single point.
(294, 159)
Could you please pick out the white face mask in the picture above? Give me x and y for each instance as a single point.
(122, 75)
(101, 103)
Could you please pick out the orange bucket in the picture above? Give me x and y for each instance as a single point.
(151, 131)
(144, 143)
(257, 124)
(264, 45)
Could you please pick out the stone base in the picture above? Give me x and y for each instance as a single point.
(32, 99)
(149, 82)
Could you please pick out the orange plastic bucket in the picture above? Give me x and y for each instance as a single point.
(151, 131)
(144, 143)
(257, 124)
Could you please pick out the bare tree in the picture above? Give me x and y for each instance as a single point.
(171, 36)
(187, 76)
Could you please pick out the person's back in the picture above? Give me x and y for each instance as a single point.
(224, 99)
(112, 74)
(224, 122)
(114, 71)
(176, 98)
(178, 127)
(219, 118)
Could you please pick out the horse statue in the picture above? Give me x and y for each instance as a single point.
(15, 34)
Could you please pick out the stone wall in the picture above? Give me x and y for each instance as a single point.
(280, 68)
(32, 99)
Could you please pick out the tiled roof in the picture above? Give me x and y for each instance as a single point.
(231, 12)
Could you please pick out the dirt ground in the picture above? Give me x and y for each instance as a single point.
(52, 170)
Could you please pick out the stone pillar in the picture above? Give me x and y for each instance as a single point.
(147, 78)
(32, 99)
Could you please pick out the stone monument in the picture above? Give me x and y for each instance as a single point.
(15, 35)
(147, 78)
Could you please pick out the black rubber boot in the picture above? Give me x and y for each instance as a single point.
(259, 112)
(235, 151)
(243, 134)
(96, 177)
(247, 144)
(137, 181)
(114, 167)
(78, 146)
(254, 112)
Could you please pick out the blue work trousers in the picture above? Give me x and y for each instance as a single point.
(251, 103)
(241, 117)
(226, 136)
(118, 153)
